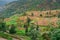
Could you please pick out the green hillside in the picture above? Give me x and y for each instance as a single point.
(21, 6)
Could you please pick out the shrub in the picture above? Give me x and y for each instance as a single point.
(34, 33)
(55, 35)
(2, 27)
(12, 30)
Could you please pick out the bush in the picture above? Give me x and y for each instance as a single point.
(2, 27)
(55, 35)
(4, 35)
(12, 30)
(34, 33)
(20, 32)
(9, 38)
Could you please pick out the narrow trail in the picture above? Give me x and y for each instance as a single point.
(14, 37)
(2, 38)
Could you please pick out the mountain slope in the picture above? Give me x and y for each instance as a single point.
(36, 18)
(21, 6)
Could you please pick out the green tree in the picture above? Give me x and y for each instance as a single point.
(37, 28)
(40, 15)
(12, 29)
(58, 23)
(46, 36)
(2, 25)
(31, 27)
(34, 33)
(26, 28)
(24, 14)
(58, 15)
(32, 14)
(55, 35)
(27, 25)
(28, 21)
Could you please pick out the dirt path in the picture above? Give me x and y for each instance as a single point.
(2, 39)
(14, 37)
(6, 39)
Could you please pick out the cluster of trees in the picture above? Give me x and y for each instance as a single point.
(4, 28)
(11, 29)
(34, 31)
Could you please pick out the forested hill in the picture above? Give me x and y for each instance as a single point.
(21, 6)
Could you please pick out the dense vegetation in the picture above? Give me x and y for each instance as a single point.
(29, 31)
(22, 26)
(21, 6)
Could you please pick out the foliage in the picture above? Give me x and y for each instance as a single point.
(37, 28)
(20, 32)
(34, 33)
(4, 35)
(12, 20)
(2, 26)
(24, 14)
(32, 14)
(55, 35)
(58, 15)
(12, 29)
(46, 36)
(40, 15)
(26, 29)
(58, 23)
(21, 6)
(28, 21)
(9, 38)
(27, 25)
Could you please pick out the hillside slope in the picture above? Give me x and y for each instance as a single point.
(17, 19)
(21, 6)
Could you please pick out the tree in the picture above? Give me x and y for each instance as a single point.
(26, 28)
(32, 26)
(12, 29)
(28, 21)
(26, 25)
(24, 14)
(37, 28)
(34, 33)
(58, 15)
(46, 36)
(40, 15)
(58, 23)
(47, 13)
(2, 25)
(55, 35)
(32, 14)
